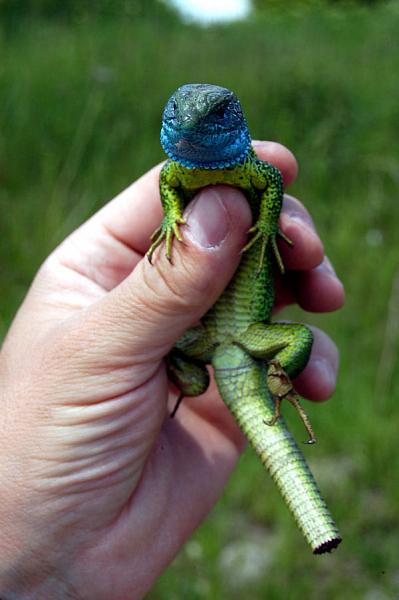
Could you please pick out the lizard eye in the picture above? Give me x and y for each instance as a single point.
(171, 109)
(219, 111)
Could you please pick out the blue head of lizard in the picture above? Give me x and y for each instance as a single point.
(203, 126)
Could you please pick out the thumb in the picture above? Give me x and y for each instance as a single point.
(145, 315)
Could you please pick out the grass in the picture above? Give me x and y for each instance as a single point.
(81, 111)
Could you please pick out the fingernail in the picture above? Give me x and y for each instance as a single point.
(324, 370)
(303, 219)
(327, 267)
(207, 219)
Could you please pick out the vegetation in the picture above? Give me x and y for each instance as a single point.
(82, 99)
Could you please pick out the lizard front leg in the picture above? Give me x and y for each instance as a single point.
(173, 204)
(267, 180)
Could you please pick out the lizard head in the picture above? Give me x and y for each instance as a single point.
(203, 126)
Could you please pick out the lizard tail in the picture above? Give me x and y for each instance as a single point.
(241, 381)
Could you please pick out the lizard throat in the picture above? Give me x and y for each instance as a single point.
(206, 150)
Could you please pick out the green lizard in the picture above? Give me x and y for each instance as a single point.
(206, 137)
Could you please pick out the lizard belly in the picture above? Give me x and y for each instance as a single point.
(247, 299)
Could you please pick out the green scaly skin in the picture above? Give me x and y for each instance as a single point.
(250, 355)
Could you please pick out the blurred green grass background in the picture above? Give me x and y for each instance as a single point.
(82, 91)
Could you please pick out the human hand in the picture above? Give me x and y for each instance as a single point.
(99, 487)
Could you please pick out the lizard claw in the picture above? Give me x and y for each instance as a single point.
(281, 387)
(265, 237)
(167, 231)
(259, 236)
(277, 255)
(157, 236)
(276, 250)
(284, 237)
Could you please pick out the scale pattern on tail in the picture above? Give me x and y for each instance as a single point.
(239, 376)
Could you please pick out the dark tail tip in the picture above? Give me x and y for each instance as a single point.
(327, 546)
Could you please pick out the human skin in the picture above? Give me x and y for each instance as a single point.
(99, 487)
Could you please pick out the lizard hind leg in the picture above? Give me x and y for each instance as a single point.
(281, 387)
(286, 347)
(191, 377)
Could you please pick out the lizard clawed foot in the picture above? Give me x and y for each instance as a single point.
(285, 238)
(281, 388)
(167, 231)
(265, 238)
(276, 251)
(176, 406)
(259, 235)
